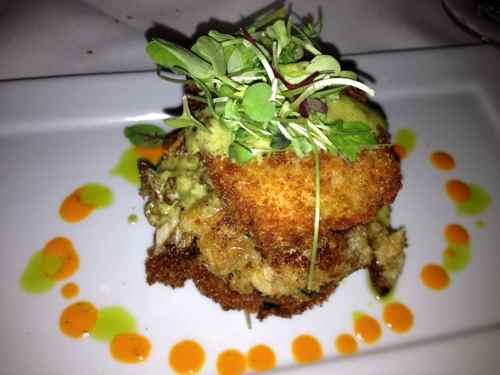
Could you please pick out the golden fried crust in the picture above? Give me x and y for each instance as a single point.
(175, 266)
(273, 198)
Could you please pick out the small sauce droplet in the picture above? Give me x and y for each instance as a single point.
(126, 167)
(479, 201)
(306, 349)
(33, 279)
(442, 161)
(78, 319)
(186, 357)
(83, 201)
(130, 348)
(96, 195)
(62, 249)
(458, 253)
(151, 154)
(456, 234)
(398, 317)
(367, 329)
(434, 277)
(70, 290)
(400, 151)
(458, 191)
(345, 344)
(404, 142)
(73, 209)
(231, 362)
(261, 358)
(132, 219)
(112, 321)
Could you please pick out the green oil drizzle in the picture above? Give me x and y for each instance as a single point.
(357, 315)
(126, 167)
(479, 201)
(459, 260)
(96, 195)
(34, 280)
(406, 138)
(112, 321)
(132, 219)
(480, 224)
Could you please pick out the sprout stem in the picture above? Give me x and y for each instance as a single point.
(317, 204)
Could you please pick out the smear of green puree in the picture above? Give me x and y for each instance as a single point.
(406, 138)
(126, 167)
(97, 195)
(479, 201)
(112, 321)
(33, 280)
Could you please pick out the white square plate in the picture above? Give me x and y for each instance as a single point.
(58, 134)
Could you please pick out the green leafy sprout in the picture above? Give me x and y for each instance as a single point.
(268, 85)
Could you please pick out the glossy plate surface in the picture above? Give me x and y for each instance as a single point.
(59, 134)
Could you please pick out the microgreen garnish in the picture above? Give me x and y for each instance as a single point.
(256, 102)
(187, 120)
(269, 85)
(144, 135)
(271, 73)
(317, 201)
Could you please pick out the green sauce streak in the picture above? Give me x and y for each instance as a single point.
(33, 280)
(96, 195)
(406, 138)
(112, 321)
(133, 219)
(480, 224)
(459, 260)
(479, 201)
(126, 167)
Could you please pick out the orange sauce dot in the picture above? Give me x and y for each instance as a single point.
(434, 277)
(63, 249)
(73, 209)
(306, 349)
(186, 357)
(231, 362)
(442, 161)
(130, 348)
(458, 191)
(78, 319)
(345, 344)
(400, 151)
(398, 317)
(261, 358)
(70, 290)
(152, 154)
(367, 329)
(449, 253)
(456, 234)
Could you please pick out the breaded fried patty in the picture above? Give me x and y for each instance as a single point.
(173, 268)
(243, 232)
(274, 197)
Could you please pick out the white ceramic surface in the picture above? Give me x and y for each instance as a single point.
(57, 134)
